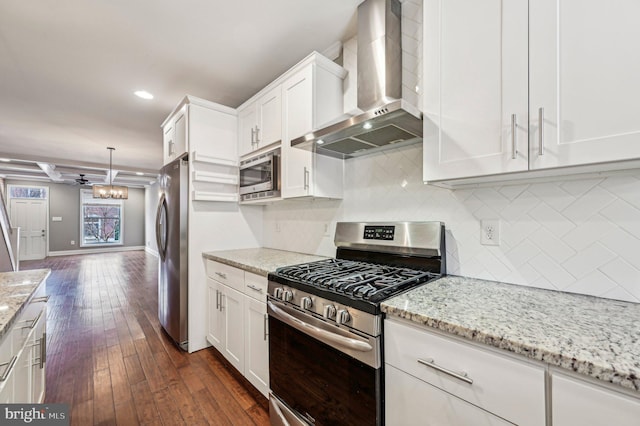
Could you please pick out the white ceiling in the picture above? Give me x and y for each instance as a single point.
(69, 69)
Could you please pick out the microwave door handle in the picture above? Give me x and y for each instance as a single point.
(256, 162)
(320, 334)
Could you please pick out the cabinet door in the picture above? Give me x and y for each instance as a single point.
(232, 304)
(247, 120)
(269, 110)
(297, 92)
(410, 401)
(168, 142)
(180, 138)
(256, 364)
(38, 359)
(581, 403)
(584, 74)
(215, 319)
(475, 88)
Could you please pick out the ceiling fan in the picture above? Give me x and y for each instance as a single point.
(81, 180)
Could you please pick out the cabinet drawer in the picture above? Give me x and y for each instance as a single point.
(575, 402)
(410, 401)
(228, 275)
(255, 286)
(502, 385)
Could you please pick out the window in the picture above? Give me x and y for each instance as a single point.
(101, 220)
(27, 192)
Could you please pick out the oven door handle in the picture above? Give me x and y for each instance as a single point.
(318, 333)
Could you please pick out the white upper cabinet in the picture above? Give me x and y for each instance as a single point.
(175, 137)
(311, 98)
(260, 122)
(208, 132)
(584, 75)
(475, 88)
(561, 73)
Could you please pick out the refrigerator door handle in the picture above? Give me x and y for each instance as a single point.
(162, 248)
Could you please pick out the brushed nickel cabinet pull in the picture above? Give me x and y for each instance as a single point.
(541, 131)
(40, 299)
(264, 324)
(8, 369)
(221, 275)
(306, 178)
(254, 288)
(460, 376)
(514, 148)
(43, 350)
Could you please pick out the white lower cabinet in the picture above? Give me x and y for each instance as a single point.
(236, 321)
(23, 354)
(412, 401)
(576, 402)
(492, 383)
(256, 364)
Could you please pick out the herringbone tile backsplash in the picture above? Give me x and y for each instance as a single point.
(579, 235)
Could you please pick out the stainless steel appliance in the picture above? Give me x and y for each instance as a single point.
(173, 248)
(386, 120)
(325, 324)
(260, 176)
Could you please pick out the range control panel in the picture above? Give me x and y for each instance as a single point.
(379, 232)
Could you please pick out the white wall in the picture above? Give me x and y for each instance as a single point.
(576, 235)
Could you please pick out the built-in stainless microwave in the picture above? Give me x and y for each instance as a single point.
(260, 176)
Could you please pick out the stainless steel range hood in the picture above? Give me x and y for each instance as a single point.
(387, 119)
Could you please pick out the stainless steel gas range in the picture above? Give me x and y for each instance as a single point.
(325, 324)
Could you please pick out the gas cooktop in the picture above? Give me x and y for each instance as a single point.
(358, 280)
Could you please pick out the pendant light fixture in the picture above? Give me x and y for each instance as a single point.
(111, 191)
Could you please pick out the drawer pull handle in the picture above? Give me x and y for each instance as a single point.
(33, 321)
(221, 275)
(41, 299)
(460, 376)
(8, 369)
(254, 288)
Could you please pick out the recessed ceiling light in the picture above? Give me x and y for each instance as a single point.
(6, 160)
(143, 94)
(140, 173)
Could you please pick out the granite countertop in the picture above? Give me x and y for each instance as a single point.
(16, 289)
(589, 335)
(260, 261)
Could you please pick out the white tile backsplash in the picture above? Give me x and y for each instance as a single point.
(592, 252)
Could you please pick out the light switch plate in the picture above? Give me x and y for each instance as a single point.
(490, 232)
(56, 219)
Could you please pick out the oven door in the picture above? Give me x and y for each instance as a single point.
(259, 175)
(313, 378)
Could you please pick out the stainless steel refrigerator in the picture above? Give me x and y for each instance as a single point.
(173, 247)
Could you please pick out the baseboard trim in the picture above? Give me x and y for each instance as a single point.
(94, 250)
(152, 252)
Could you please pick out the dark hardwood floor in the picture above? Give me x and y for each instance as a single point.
(109, 359)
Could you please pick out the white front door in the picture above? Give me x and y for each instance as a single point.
(31, 216)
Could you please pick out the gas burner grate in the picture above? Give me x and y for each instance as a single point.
(359, 280)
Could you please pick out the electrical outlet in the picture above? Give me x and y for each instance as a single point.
(278, 229)
(326, 230)
(490, 232)
(73, 243)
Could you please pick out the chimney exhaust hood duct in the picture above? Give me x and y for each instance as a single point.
(387, 119)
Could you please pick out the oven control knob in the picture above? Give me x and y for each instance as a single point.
(277, 292)
(287, 295)
(306, 303)
(329, 311)
(343, 316)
